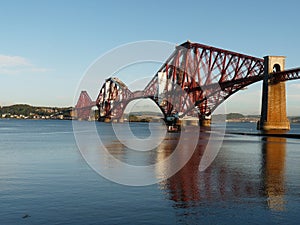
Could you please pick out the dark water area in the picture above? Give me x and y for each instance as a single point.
(45, 180)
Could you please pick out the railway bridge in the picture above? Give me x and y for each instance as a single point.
(195, 80)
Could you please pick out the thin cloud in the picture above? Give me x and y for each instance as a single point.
(294, 96)
(295, 85)
(13, 61)
(18, 65)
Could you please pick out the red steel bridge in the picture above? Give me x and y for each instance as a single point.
(196, 78)
(84, 106)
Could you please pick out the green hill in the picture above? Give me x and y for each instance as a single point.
(28, 111)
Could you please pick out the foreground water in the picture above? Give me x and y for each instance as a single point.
(45, 180)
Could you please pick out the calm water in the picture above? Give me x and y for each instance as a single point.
(44, 178)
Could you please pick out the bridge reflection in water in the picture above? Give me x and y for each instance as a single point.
(238, 172)
(273, 171)
(222, 181)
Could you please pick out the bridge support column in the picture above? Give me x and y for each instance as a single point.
(273, 110)
(205, 121)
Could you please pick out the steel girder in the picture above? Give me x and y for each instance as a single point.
(291, 74)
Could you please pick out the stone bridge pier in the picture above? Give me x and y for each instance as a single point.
(273, 109)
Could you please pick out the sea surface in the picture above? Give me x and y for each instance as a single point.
(44, 178)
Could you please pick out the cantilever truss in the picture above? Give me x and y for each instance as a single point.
(207, 75)
(195, 78)
(83, 106)
(113, 98)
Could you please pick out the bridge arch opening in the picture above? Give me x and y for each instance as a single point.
(276, 68)
(143, 110)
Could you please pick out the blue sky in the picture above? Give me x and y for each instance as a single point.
(46, 46)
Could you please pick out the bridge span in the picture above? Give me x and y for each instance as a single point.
(195, 80)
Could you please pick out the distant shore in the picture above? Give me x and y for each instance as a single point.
(24, 111)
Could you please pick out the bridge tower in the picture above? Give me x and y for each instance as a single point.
(273, 109)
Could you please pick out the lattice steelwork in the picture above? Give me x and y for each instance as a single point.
(206, 75)
(195, 78)
(291, 74)
(113, 98)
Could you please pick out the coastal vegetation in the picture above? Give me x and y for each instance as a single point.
(24, 111)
